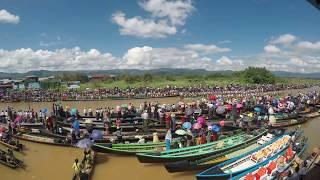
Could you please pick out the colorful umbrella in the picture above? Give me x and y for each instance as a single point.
(201, 120)
(180, 132)
(212, 97)
(220, 109)
(96, 134)
(197, 126)
(186, 125)
(215, 128)
(239, 106)
(257, 109)
(84, 143)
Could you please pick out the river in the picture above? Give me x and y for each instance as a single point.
(44, 162)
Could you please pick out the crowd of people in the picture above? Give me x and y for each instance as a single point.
(141, 92)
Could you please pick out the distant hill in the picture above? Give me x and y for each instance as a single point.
(161, 71)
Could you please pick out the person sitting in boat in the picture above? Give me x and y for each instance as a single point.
(9, 156)
(77, 168)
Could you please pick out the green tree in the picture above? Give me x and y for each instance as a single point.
(257, 75)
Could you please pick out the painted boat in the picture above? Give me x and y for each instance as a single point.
(128, 149)
(87, 167)
(246, 161)
(205, 163)
(14, 163)
(200, 151)
(42, 139)
(275, 166)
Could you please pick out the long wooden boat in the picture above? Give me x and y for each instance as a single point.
(128, 149)
(14, 144)
(247, 161)
(271, 169)
(291, 122)
(14, 163)
(88, 172)
(311, 115)
(42, 139)
(285, 116)
(200, 151)
(207, 162)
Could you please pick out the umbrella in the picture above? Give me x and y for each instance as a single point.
(189, 111)
(197, 126)
(212, 97)
(96, 134)
(239, 106)
(220, 109)
(229, 107)
(201, 120)
(257, 109)
(2, 129)
(84, 143)
(215, 128)
(180, 132)
(186, 125)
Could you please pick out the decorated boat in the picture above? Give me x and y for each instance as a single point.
(207, 162)
(247, 161)
(200, 151)
(9, 160)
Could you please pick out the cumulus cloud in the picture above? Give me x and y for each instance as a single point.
(307, 45)
(26, 59)
(285, 39)
(146, 28)
(271, 49)
(166, 16)
(206, 49)
(176, 11)
(7, 17)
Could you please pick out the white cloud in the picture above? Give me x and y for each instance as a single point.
(146, 28)
(166, 17)
(285, 39)
(225, 61)
(176, 11)
(271, 49)
(206, 49)
(26, 59)
(307, 45)
(7, 17)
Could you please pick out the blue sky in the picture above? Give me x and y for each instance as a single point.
(117, 31)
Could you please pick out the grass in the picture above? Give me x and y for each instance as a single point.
(159, 82)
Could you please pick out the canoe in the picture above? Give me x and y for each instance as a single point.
(291, 122)
(200, 151)
(207, 162)
(15, 163)
(270, 169)
(87, 173)
(285, 116)
(16, 146)
(311, 115)
(128, 149)
(42, 139)
(247, 161)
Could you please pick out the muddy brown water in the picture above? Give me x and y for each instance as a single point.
(44, 162)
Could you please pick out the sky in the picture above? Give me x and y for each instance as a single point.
(149, 34)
